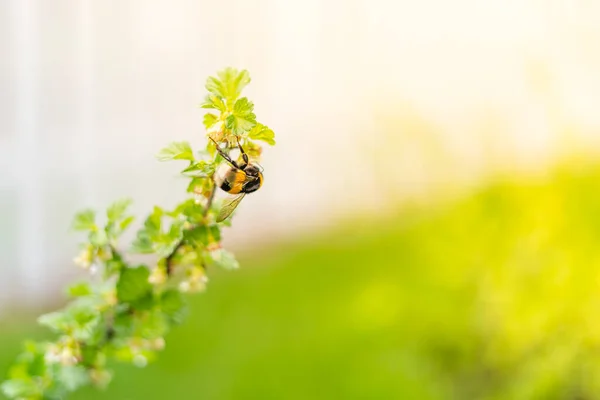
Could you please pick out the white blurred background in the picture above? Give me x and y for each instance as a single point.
(371, 101)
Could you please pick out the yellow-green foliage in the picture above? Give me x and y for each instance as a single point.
(495, 296)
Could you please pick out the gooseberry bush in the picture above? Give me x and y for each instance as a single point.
(127, 309)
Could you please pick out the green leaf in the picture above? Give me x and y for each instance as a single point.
(223, 259)
(73, 377)
(242, 119)
(123, 324)
(20, 389)
(146, 302)
(209, 120)
(214, 102)
(79, 289)
(80, 321)
(173, 304)
(126, 222)
(243, 106)
(204, 235)
(198, 235)
(114, 266)
(84, 220)
(189, 209)
(201, 169)
(176, 151)
(142, 243)
(176, 230)
(86, 320)
(117, 209)
(193, 184)
(133, 284)
(182, 208)
(262, 132)
(215, 233)
(228, 84)
(58, 321)
(153, 223)
(98, 238)
(152, 325)
(165, 248)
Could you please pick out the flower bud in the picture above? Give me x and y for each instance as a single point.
(84, 258)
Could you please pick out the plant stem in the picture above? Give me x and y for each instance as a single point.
(169, 259)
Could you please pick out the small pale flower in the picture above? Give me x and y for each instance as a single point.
(184, 286)
(196, 281)
(158, 343)
(158, 276)
(84, 258)
(67, 356)
(52, 355)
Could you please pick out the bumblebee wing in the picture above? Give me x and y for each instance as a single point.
(228, 206)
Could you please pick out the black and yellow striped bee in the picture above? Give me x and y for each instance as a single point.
(238, 179)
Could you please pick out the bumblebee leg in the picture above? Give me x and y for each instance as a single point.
(244, 155)
(224, 155)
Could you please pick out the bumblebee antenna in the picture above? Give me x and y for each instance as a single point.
(244, 155)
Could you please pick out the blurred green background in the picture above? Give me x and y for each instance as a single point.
(494, 295)
(428, 228)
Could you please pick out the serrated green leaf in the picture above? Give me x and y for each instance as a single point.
(181, 208)
(242, 118)
(123, 324)
(133, 284)
(243, 106)
(214, 102)
(165, 248)
(79, 289)
(228, 84)
(204, 235)
(223, 259)
(192, 211)
(84, 220)
(153, 223)
(201, 169)
(79, 321)
(146, 302)
(117, 209)
(142, 243)
(262, 132)
(58, 321)
(173, 304)
(176, 151)
(86, 320)
(199, 235)
(153, 324)
(215, 86)
(73, 377)
(209, 120)
(176, 231)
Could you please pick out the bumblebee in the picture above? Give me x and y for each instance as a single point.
(238, 179)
